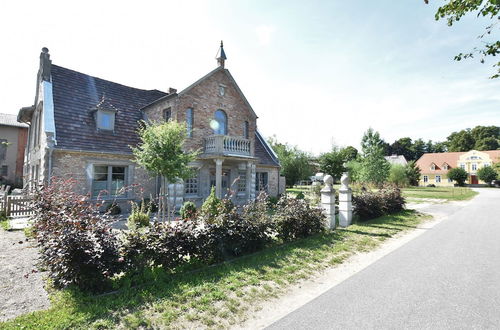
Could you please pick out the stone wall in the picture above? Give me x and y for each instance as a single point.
(204, 98)
(79, 166)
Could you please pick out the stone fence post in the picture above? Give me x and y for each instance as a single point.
(328, 201)
(345, 202)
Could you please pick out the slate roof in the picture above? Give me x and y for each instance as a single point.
(10, 120)
(263, 151)
(77, 94)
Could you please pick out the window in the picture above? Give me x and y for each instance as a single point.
(167, 114)
(4, 171)
(438, 178)
(433, 167)
(220, 126)
(474, 167)
(108, 180)
(3, 148)
(245, 130)
(462, 166)
(106, 120)
(445, 166)
(189, 122)
(426, 179)
(222, 90)
(242, 182)
(191, 186)
(261, 182)
(486, 164)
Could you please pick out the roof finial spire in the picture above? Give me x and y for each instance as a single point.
(221, 55)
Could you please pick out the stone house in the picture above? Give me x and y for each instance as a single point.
(434, 167)
(82, 127)
(12, 144)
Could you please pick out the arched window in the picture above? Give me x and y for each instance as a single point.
(189, 122)
(221, 122)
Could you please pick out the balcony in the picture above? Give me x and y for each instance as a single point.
(227, 145)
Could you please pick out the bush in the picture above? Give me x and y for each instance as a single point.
(300, 195)
(113, 209)
(487, 174)
(210, 207)
(188, 211)
(139, 216)
(369, 205)
(458, 174)
(149, 205)
(398, 176)
(76, 243)
(294, 218)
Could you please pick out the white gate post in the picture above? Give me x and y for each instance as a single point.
(328, 201)
(345, 202)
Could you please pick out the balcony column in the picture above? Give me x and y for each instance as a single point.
(218, 177)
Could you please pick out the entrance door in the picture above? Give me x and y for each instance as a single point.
(473, 179)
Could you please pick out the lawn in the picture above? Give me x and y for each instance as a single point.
(216, 296)
(447, 193)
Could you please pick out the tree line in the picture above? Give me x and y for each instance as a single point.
(369, 165)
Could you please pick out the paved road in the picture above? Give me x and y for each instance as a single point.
(447, 278)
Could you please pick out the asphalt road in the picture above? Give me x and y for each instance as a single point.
(447, 278)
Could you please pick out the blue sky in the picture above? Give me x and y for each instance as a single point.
(315, 72)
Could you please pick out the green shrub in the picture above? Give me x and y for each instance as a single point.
(294, 218)
(188, 211)
(139, 216)
(398, 176)
(150, 205)
(210, 208)
(300, 195)
(369, 205)
(487, 174)
(458, 174)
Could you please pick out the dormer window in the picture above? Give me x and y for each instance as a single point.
(106, 120)
(433, 167)
(104, 115)
(445, 166)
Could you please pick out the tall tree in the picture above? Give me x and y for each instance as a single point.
(418, 149)
(334, 162)
(295, 164)
(454, 10)
(160, 152)
(374, 167)
(403, 146)
(461, 141)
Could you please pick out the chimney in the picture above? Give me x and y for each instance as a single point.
(45, 65)
(172, 90)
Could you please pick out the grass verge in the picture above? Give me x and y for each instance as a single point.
(4, 222)
(217, 296)
(448, 193)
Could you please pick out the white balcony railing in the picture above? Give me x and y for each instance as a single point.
(227, 145)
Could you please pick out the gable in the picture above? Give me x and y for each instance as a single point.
(208, 88)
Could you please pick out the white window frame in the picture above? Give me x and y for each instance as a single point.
(437, 179)
(426, 179)
(242, 182)
(474, 167)
(462, 166)
(433, 167)
(192, 186)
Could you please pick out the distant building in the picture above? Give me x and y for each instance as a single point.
(434, 167)
(12, 144)
(396, 160)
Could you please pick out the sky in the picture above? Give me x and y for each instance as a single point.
(317, 73)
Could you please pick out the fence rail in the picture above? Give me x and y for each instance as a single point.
(16, 205)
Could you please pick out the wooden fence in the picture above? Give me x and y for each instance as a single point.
(16, 205)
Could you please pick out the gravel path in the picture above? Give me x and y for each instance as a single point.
(21, 287)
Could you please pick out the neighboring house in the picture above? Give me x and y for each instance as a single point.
(396, 160)
(435, 166)
(82, 127)
(12, 144)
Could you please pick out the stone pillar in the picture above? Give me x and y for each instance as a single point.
(345, 202)
(218, 177)
(251, 180)
(328, 201)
